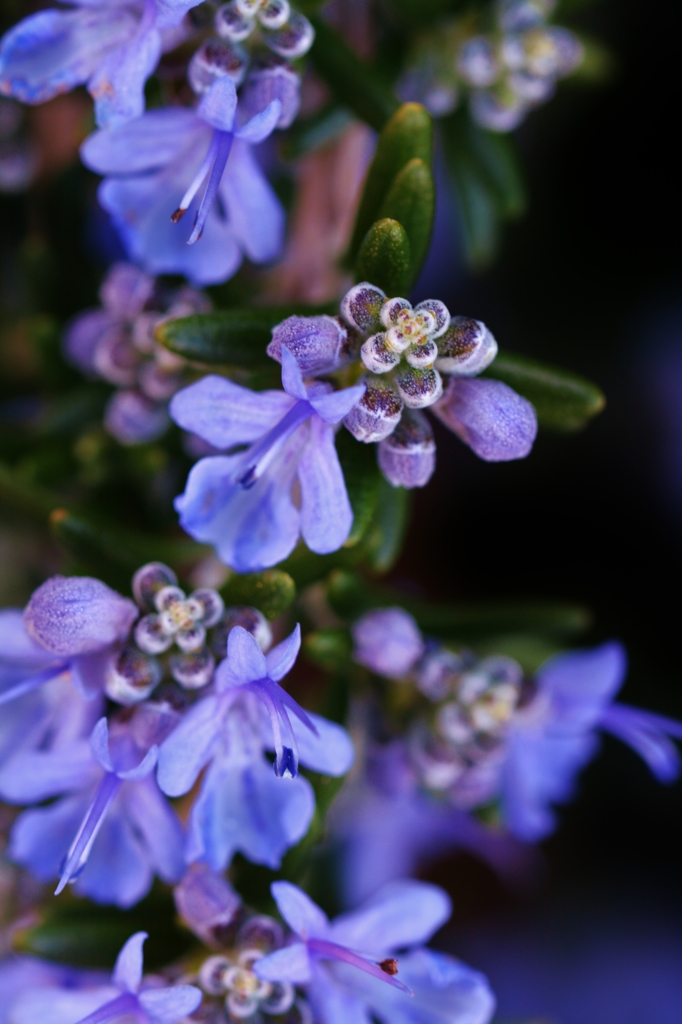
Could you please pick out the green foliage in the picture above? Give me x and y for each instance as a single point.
(329, 648)
(357, 85)
(363, 482)
(272, 591)
(411, 201)
(384, 257)
(407, 136)
(563, 401)
(484, 171)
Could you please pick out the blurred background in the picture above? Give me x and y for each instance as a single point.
(589, 278)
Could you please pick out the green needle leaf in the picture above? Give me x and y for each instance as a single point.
(384, 257)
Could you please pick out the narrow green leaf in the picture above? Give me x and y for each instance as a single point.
(478, 204)
(563, 401)
(389, 526)
(411, 201)
(468, 621)
(356, 84)
(271, 591)
(384, 257)
(363, 482)
(408, 135)
(500, 164)
(231, 337)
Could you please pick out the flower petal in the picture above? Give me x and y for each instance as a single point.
(280, 659)
(403, 913)
(245, 659)
(334, 406)
(146, 143)
(262, 124)
(292, 379)
(487, 415)
(326, 513)
(255, 214)
(225, 414)
(291, 964)
(581, 684)
(128, 967)
(72, 615)
(217, 107)
(648, 735)
(170, 1004)
(33, 776)
(388, 641)
(189, 747)
(118, 84)
(330, 752)
(158, 824)
(303, 916)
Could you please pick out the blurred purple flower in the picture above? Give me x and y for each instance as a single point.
(348, 965)
(242, 504)
(112, 48)
(243, 805)
(155, 167)
(388, 642)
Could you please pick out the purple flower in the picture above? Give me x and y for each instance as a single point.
(111, 830)
(242, 503)
(348, 965)
(388, 642)
(406, 351)
(155, 167)
(243, 805)
(112, 48)
(71, 624)
(31, 990)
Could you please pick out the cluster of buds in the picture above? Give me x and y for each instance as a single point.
(505, 72)
(192, 630)
(116, 343)
(275, 36)
(455, 748)
(405, 351)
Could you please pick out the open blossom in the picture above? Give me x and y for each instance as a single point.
(242, 504)
(348, 967)
(243, 805)
(110, 47)
(155, 167)
(111, 829)
(405, 352)
(116, 343)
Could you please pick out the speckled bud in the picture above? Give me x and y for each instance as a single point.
(216, 59)
(149, 580)
(292, 40)
(251, 619)
(125, 290)
(378, 356)
(408, 457)
(274, 14)
(361, 307)
(477, 64)
(73, 615)
(131, 676)
(388, 642)
(440, 313)
(418, 388)
(422, 356)
(207, 903)
(319, 344)
(194, 670)
(498, 113)
(466, 348)
(231, 24)
(490, 417)
(377, 413)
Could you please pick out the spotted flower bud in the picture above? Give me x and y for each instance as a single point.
(250, 619)
(192, 671)
(271, 78)
(388, 642)
(131, 676)
(477, 63)
(378, 355)
(466, 348)
(437, 672)
(407, 458)
(292, 40)
(216, 59)
(361, 307)
(231, 24)
(209, 906)
(377, 413)
(319, 344)
(418, 388)
(149, 580)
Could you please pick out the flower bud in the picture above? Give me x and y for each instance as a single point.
(418, 388)
(437, 671)
(231, 24)
(191, 639)
(274, 14)
(532, 88)
(517, 15)
(132, 418)
(192, 671)
(496, 113)
(167, 596)
(377, 413)
(490, 417)
(212, 604)
(292, 40)
(126, 290)
(477, 64)
(149, 580)
(388, 642)
(131, 676)
(156, 384)
(440, 313)
(250, 619)
(361, 307)
(466, 348)
(422, 356)
(407, 458)
(75, 615)
(150, 636)
(378, 355)
(271, 78)
(319, 344)
(216, 59)
(209, 906)
(115, 359)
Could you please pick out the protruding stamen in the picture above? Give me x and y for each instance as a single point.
(223, 144)
(333, 951)
(197, 181)
(261, 454)
(87, 833)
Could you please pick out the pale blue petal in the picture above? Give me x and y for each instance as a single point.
(128, 967)
(388, 641)
(99, 742)
(72, 615)
(582, 683)
(54, 51)
(331, 752)
(303, 916)
(32, 776)
(217, 107)
(88, 673)
(336, 1003)
(445, 991)
(647, 734)
(225, 414)
(292, 380)
(58, 1005)
(255, 214)
(118, 870)
(40, 838)
(144, 768)
(281, 658)
(118, 85)
(326, 513)
(334, 406)
(189, 747)
(17, 648)
(244, 807)
(170, 1004)
(171, 12)
(290, 964)
(147, 143)
(245, 659)
(159, 826)
(251, 528)
(262, 124)
(402, 913)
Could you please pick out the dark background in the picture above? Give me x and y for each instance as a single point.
(590, 279)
